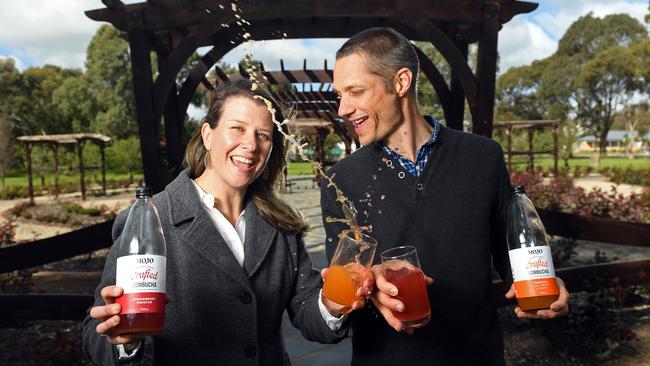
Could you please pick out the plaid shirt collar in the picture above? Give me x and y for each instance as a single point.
(421, 155)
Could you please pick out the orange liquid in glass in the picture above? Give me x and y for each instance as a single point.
(412, 291)
(341, 285)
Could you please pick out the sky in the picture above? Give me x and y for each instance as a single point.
(39, 32)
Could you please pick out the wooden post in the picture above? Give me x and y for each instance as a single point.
(509, 135)
(140, 46)
(486, 69)
(102, 146)
(55, 148)
(555, 152)
(80, 148)
(457, 94)
(28, 151)
(531, 131)
(173, 118)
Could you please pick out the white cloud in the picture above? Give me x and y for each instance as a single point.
(45, 31)
(291, 51)
(17, 62)
(521, 42)
(557, 21)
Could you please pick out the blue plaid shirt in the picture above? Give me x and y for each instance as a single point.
(421, 155)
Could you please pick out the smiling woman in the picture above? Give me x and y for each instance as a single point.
(236, 145)
(236, 259)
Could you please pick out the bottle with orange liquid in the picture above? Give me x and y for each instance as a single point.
(141, 266)
(530, 255)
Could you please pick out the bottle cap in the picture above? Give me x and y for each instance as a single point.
(143, 191)
(518, 189)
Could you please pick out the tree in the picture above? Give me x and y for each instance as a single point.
(108, 71)
(518, 92)
(586, 77)
(6, 148)
(124, 156)
(76, 103)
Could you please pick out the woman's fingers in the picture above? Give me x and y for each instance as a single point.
(109, 293)
(105, 311)
(104, 328)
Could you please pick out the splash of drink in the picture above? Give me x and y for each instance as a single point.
(349, 212)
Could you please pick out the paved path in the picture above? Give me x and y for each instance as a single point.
(306, 199)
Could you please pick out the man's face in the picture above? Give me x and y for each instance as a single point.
(364, 100)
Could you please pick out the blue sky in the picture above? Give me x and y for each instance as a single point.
(37, 32)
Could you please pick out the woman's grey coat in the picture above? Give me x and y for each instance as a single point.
(220, 313)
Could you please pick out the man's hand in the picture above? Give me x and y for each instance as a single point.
(559, 308)
(384, 299)
(363, 292)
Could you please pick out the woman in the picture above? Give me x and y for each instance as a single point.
(235, 254)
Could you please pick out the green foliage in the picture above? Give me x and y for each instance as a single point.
(124, 156)
(6, 148)
(600, 64)
(108, 70)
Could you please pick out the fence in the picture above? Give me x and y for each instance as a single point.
(74, 306)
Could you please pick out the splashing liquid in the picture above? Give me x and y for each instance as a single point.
(349, 212)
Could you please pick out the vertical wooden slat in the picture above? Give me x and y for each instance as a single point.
(28, 152)
(80, 155)
(142, 84)
(486, 70)
(102, 146)
(57, 188)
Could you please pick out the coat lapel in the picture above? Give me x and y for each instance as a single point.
(258, 239)
(200, 234)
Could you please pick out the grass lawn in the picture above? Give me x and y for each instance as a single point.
(65, 178)
(300, 168)
(521, 162)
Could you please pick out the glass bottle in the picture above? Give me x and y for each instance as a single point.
(530, 255)
(141, 268)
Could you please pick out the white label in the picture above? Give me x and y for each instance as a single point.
(141, 273)
(531, 263)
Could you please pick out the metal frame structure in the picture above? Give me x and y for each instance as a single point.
(174, 30)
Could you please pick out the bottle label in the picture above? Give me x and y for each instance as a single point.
(143, 279)
(533, 272)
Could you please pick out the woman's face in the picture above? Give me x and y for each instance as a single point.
(241, 144)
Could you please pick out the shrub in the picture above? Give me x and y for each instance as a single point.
(560, 194)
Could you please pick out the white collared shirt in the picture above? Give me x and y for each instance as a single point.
(233, 235)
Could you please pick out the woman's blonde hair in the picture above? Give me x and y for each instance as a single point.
(262, 191)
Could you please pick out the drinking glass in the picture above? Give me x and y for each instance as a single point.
(349, 267)
(401, 267)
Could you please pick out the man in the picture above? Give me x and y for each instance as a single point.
(418, 183)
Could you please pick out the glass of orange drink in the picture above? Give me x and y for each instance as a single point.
(349, 267)
(401, 267)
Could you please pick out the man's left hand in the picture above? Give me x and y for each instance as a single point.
(559, 308)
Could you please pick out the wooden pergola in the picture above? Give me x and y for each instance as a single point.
(530, 126)
(306, 93)
(174, 30)
(79, 139)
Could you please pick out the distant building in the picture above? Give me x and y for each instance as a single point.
(617, 141)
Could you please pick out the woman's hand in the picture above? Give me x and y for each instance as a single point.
(365, 290)
(109, 317)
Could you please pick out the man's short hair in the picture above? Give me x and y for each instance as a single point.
(384, 51)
